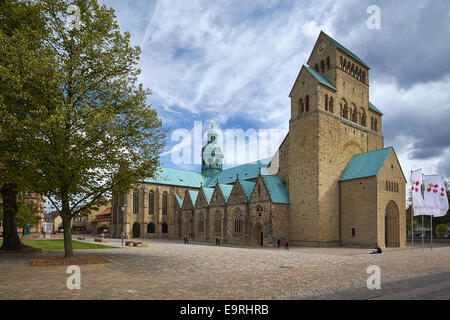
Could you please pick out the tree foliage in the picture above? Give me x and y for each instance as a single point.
(92, 131)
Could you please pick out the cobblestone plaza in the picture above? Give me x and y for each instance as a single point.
(172, 270)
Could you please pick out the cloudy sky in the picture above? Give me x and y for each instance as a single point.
(234, 62)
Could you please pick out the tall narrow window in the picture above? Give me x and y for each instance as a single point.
(201, 225)
(375, 125)
(307, 103)
(363, 117)
(322, 66)
(218, 223)
(328, 63)
(164, 203)
(331, 105)
(371, 123)
(326, 102)
(364, 77)
(151, 202)
(136, 202)
(238, 221)
(341, 61)
(302, 107)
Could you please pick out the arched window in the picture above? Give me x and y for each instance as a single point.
(136, 202)
(375, 125)
(328, 63)
(363, 117)
(302, 107)
(259, 211)
(355, 115)
(201, 225)
(371, 123)
(331, 105)
(345, 112)
(151, 202)
(238, 221)
(345, 65)
(164, 203)
(218, 223)
(326, 102)
(322, 66)
(353, 69)
(307, 103)
(151, 228)
(165, 228)
(316, 67)
(341, 62)
(364, 76)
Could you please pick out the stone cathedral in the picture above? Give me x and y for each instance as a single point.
(331, 182)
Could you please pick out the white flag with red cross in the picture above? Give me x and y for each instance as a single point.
(432, 194)
(418, 202)
(443, 200)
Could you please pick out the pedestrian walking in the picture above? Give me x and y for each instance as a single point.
(286, 244)
(185, 239)
(279, 243)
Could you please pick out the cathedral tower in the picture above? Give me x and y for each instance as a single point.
(331, 121)
(212, 155)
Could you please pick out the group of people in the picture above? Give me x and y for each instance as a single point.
(286, 243)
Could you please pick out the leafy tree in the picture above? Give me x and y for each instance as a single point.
(25, 76)
(442, 228)
(95, 134)
(27, 211)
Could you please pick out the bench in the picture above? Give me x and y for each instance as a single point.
(100, 240)
(81, 238)
(136, 244)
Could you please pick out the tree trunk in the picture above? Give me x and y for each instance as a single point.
(67, 225)
(11, 240)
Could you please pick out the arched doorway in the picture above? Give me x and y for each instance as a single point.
(260, 236)
(136, 230)
(392, 226)
(151, 228)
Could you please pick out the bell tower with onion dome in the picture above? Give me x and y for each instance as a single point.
(212, 155)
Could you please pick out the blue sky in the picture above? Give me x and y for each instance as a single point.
(234, 62)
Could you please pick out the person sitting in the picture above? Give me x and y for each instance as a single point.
(377, 251)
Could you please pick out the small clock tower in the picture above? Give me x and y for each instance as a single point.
(212, 155)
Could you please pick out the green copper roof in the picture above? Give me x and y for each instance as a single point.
(177, 177)
(193, 195)
(243, 172)
(320, 78)
(248, 187)
(373, 108)
(208, 192)
(340, 46)
(179, 199)
(276, 189)
(365, 164)
(226, 191)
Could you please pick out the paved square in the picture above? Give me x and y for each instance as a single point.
(172, 270)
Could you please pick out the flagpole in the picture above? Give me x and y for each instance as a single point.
(412, 219)
(423, 235)
(423, 217)
(431, 232)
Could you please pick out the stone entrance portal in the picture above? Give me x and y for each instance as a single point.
(392, 226)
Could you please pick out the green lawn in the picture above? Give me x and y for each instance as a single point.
(58, 244)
